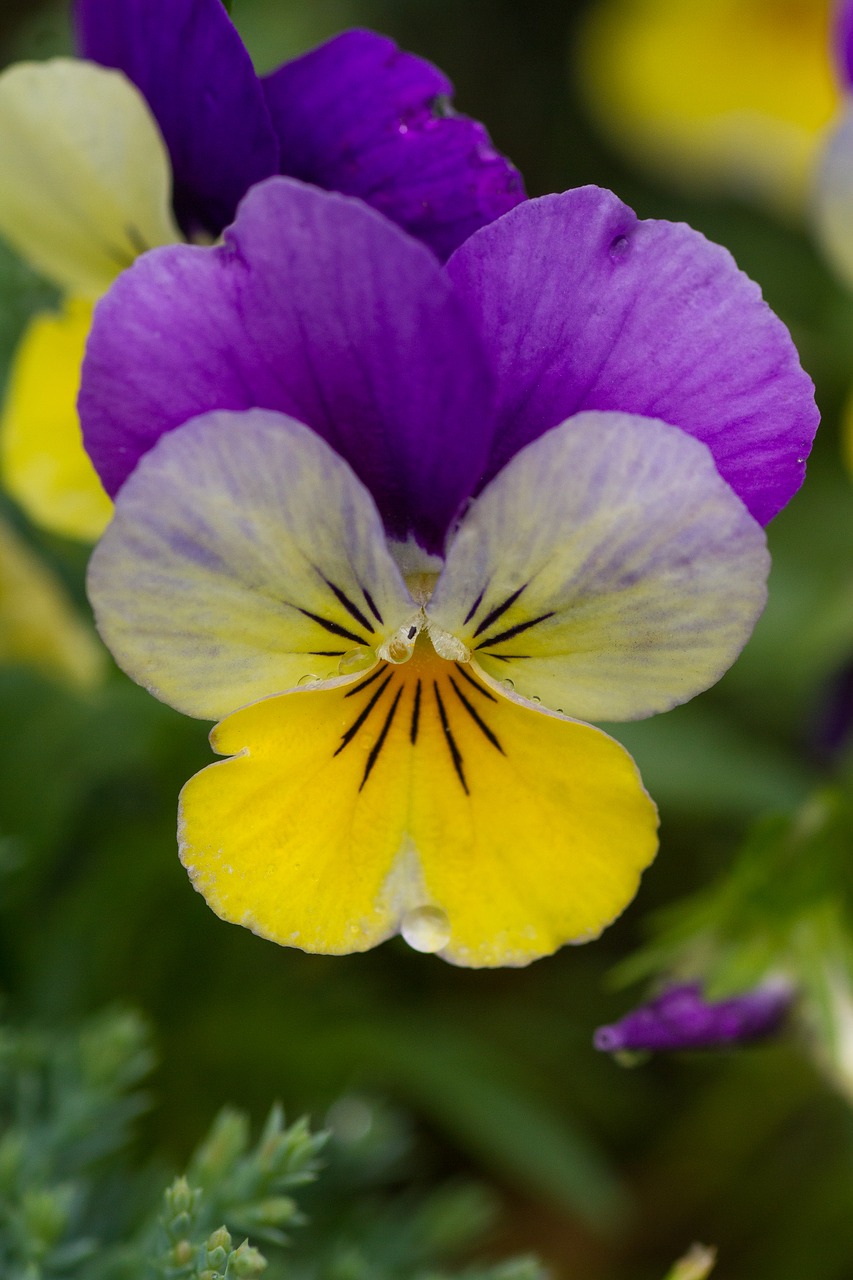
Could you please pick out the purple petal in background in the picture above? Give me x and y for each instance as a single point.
(319, 308)
(361, 116)
(584, 307)
(188, 61)
(843, 42)
(681, 1018)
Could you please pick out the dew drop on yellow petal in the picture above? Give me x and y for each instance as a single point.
(356, 660)
(426, 929)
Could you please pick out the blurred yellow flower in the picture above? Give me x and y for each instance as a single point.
(38, 625)
(86, 187)
(721, 94)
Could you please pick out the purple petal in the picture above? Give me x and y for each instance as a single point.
(680, 1018)
(359, 115)
(188, 61)
(843, 42)
(314, 306)
(584, 307)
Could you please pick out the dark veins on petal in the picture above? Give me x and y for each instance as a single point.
(378, 700)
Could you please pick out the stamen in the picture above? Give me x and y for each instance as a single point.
(400, 647)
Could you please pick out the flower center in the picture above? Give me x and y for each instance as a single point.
(420, 630)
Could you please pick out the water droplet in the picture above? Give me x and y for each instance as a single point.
(508, 684)
(426, 929)
(398, 650)
(400, 647)
(618, 246)
(308, 679)
(356, 660)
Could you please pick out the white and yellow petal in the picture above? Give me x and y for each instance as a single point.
(417, 800)
(44, 464)
(607, 571)
(244, 558)
(86, 178)
(38, 624)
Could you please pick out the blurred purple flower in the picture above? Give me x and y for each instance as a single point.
(681, 1018)
(356, 115)
(843, 42)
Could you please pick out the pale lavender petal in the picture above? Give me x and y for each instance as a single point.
(319, 308)
(681, 1018)
(361, 116)
(582, 306)
(608, 572)
(188, 61)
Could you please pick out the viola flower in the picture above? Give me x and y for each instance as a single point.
(681, 1018)
(400, 523)
(154, 136)
(729, 95)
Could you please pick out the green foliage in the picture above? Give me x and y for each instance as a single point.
(783, 909)
(66, 1104)
(492, 1075)
(71, 1207)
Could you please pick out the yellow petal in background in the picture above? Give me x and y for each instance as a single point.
(44, 465)
(417, 800)
(86, 178)
(38, 625)
(719, 93)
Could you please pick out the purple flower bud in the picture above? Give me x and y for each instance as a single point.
(681, 1018)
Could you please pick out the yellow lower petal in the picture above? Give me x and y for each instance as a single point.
(731, 92)
(38, 625)
(417, 800)
(45, 466)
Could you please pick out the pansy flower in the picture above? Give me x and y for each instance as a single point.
(680, 1017)
(153, 136)
(406, 526)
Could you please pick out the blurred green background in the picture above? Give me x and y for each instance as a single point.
(607, 1173)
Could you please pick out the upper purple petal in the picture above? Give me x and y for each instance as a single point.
(843, 42)
(359, 115)
(188, 61)
(582, 306)
(314, 306)
(681, 1018)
